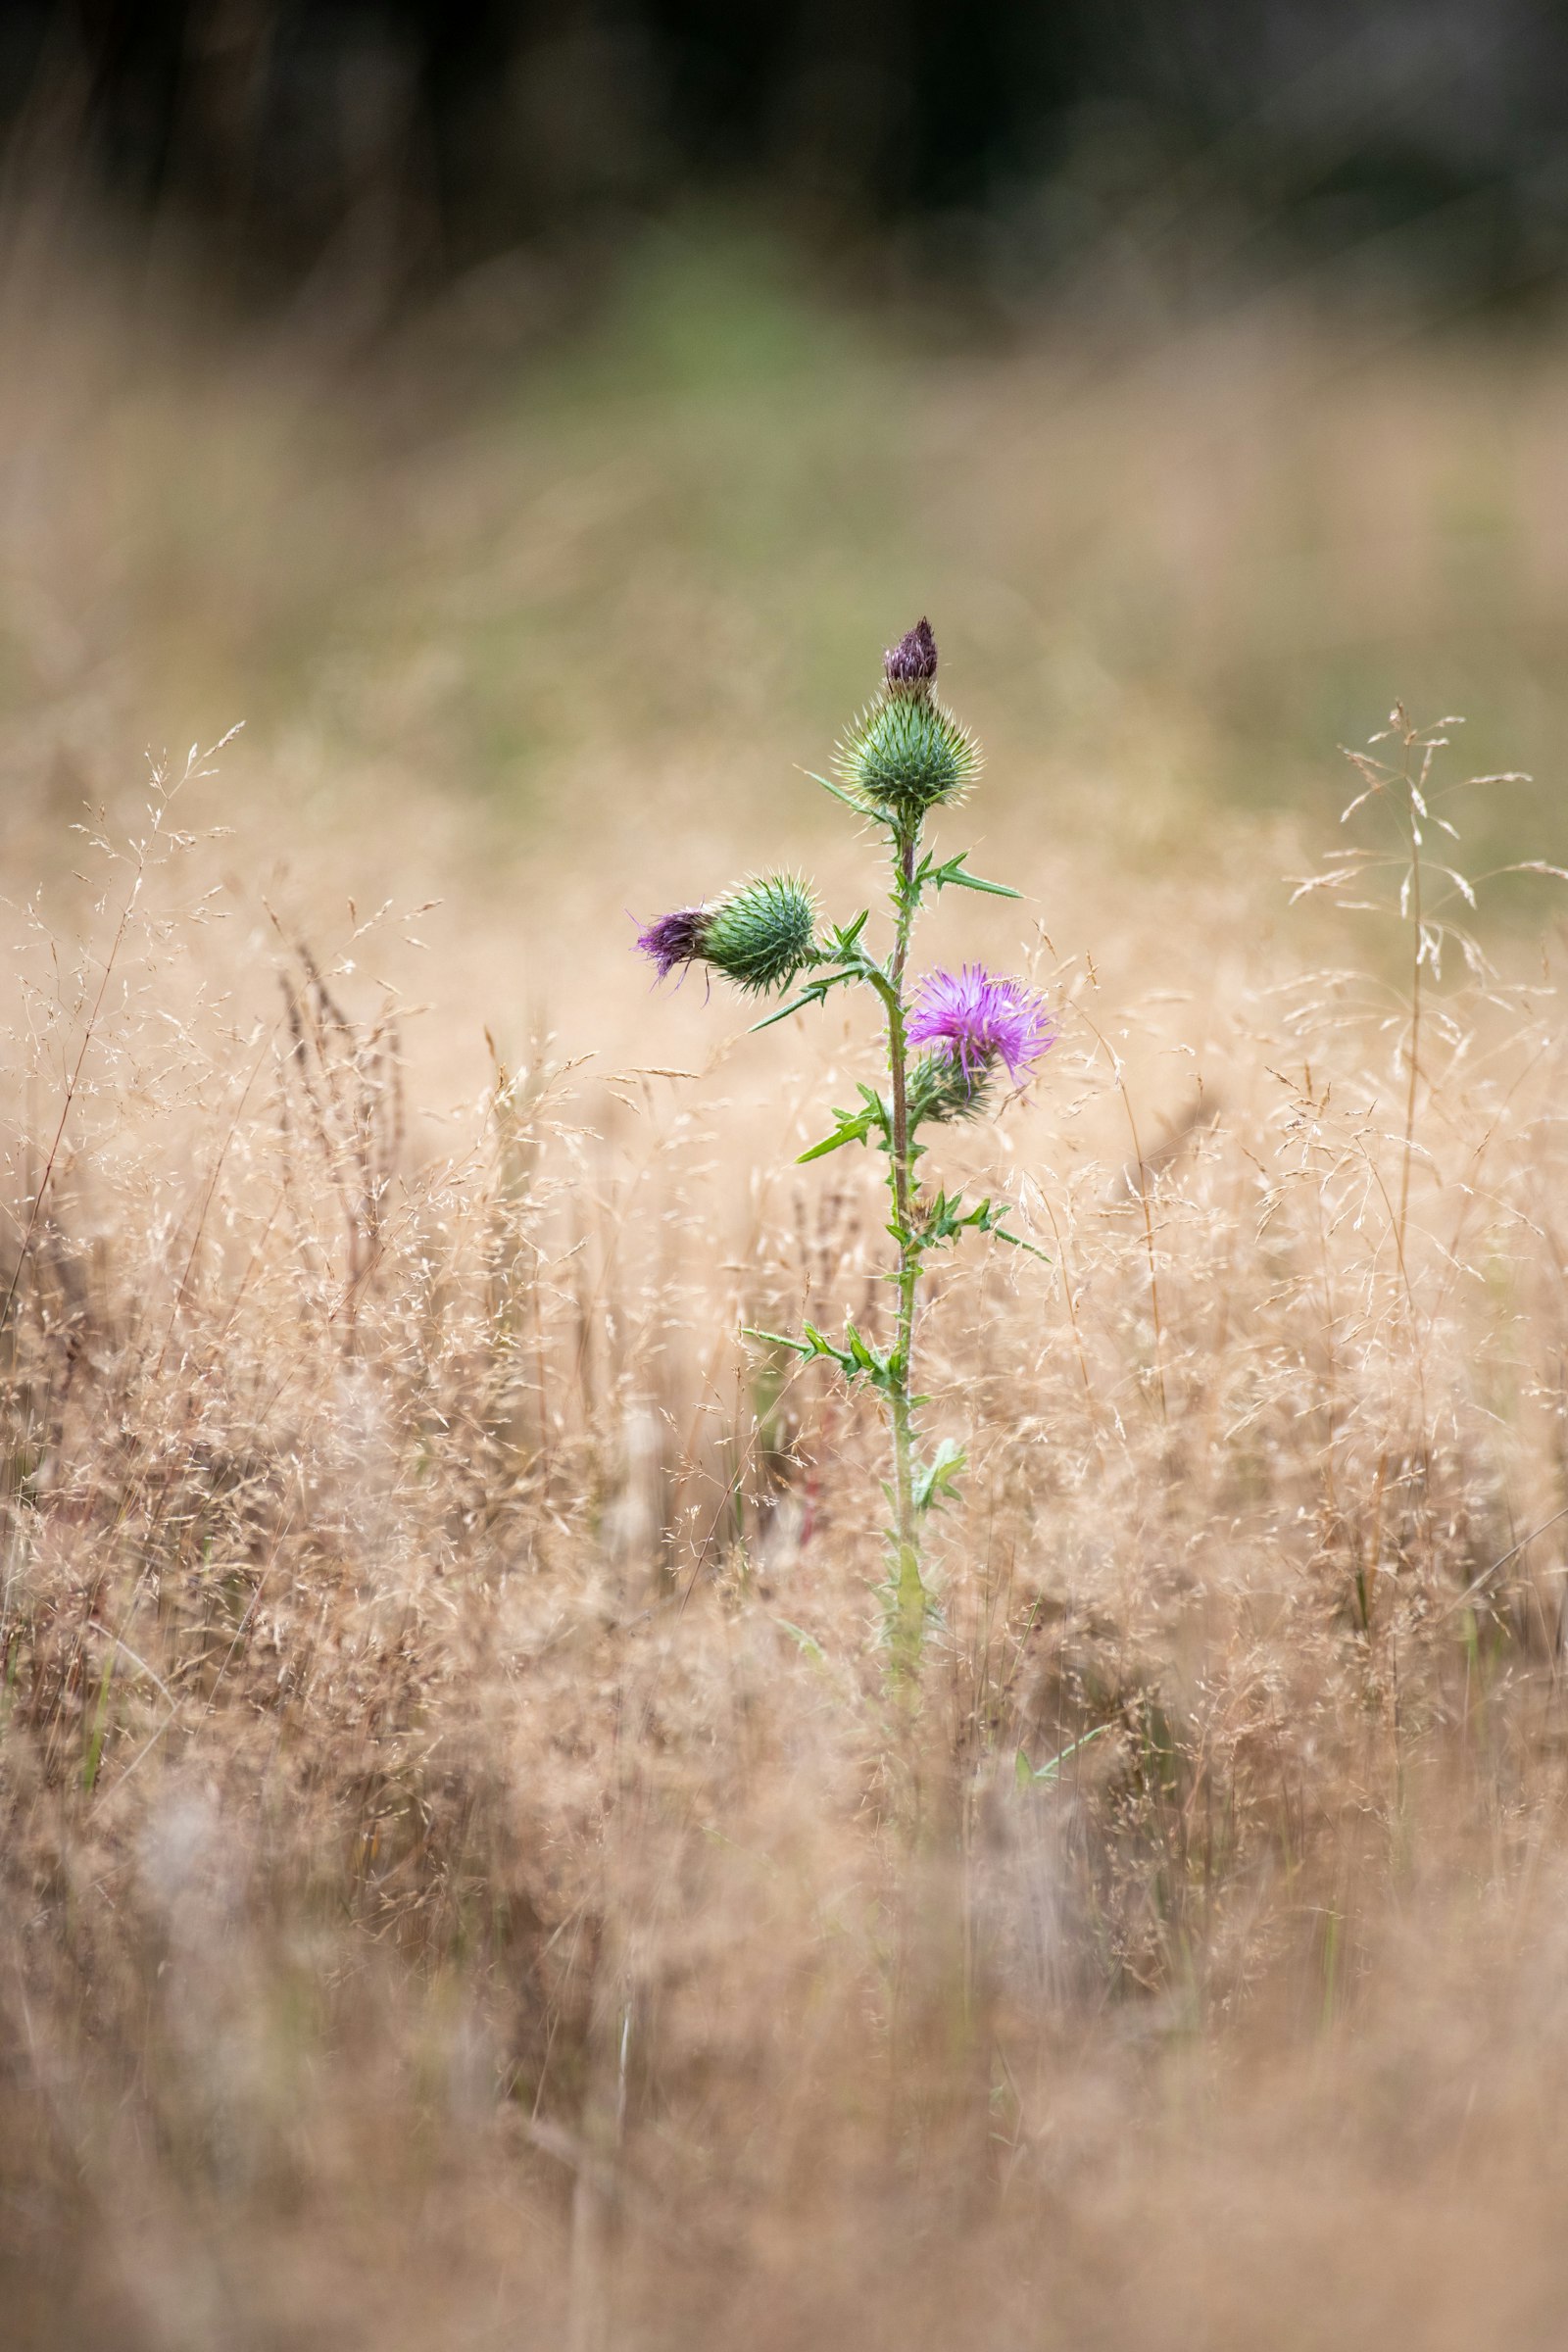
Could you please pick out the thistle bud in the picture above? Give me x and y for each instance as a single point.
(941, 1089)
(906, 754)
(912, 662)
(760, 934)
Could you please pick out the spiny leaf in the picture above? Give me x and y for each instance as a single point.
(1026, 1773)
(953, 875)
(849, 799)
(851, 1130)
(935, 1481)
(815, 993)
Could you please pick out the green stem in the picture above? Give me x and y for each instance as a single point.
(909, 1593)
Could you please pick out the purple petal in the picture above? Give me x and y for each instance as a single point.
(675, 939)
(912, 662)
(976, 1017)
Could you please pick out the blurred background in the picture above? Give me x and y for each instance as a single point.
(529, 419)
(532, 423)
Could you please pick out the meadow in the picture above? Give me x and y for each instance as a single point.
(466, 1879)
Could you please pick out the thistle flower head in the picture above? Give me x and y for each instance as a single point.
(758, 935)
(675, 939)
(976, 1018)
(906, 754)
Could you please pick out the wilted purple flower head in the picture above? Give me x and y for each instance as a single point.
(675, 938)
(976, 1017)
(912, 662)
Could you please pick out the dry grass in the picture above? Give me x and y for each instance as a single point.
(462, 1884)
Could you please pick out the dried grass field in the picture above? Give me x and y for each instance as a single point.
(464, 1882)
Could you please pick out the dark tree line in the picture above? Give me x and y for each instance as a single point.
(463, 128)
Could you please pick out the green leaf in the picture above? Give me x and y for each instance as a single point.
(947, 1219)
(853, 1125)
(857, 1359)
(784, 1012)
(802, 1641)
(822, 1346)
(935, 1481)
(1015, 1240)
(953, 875)
(776, 1338)
(853, 1131)
(995, 890)
(1025, 1772)
(815, 993)
(849, 799)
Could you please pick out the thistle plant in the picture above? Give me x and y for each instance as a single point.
(951, 1037)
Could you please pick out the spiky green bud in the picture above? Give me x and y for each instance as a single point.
(939, 1088)
(760, 934)
(906, 753)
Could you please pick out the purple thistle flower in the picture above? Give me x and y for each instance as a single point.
(675, 938)
(976, 1017)
(912, 662)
